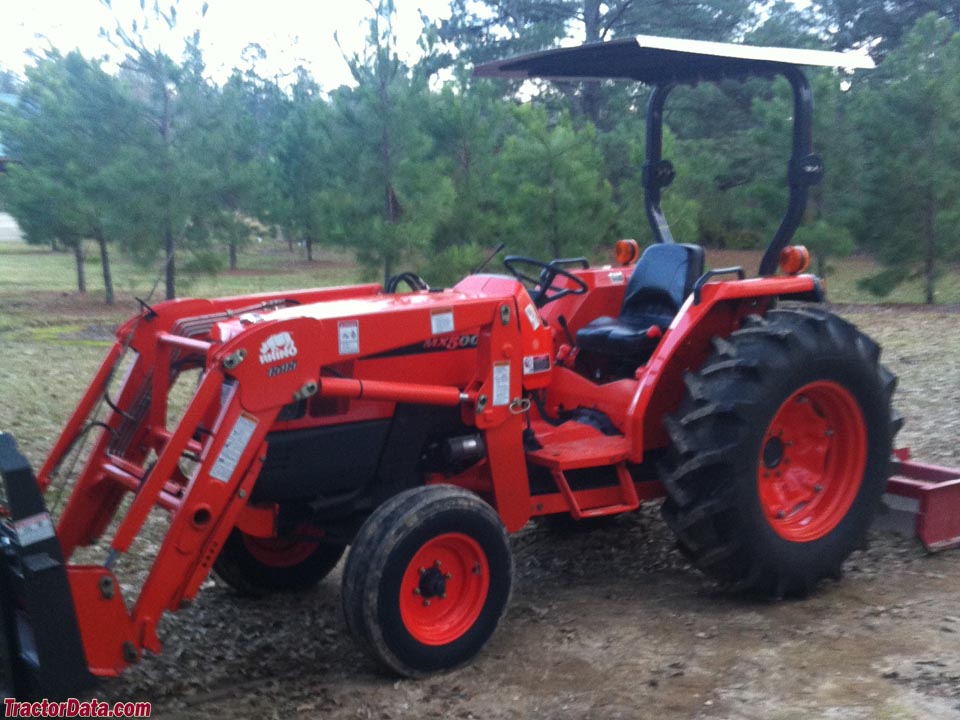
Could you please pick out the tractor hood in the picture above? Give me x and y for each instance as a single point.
(472, 291)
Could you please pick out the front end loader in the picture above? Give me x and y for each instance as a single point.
(418, 429)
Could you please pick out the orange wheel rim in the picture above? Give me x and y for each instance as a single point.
(812, 461)
(278, 552)
(444, 589)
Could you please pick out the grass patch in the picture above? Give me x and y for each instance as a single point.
(40, 384)
(89, 335)
(38, 286)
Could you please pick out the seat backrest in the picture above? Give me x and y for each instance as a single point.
(662, 280)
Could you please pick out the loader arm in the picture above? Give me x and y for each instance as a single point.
(255, 357)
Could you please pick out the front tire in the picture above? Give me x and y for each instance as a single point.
(780, 452)
(261, 566)
(427, 580)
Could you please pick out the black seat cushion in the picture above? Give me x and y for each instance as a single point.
(662, 280)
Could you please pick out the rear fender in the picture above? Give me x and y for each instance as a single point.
(686, 346)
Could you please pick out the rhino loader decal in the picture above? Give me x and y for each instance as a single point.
(277, 347)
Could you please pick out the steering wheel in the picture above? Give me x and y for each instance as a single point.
(412, 280)
(541, 286)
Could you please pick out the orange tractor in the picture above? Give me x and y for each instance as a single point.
(420, 428)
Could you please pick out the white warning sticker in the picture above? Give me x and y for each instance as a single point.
(501, 383)
(348, 334)
(533, 316)
(441, 322)
(33, 529)
(233, 448)
(616, 278)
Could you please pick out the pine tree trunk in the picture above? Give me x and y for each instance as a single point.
(387, 268)
(309, 244)
(168, 239)
(930, 254)
(555, 242)
(81, 275)
(170, 273)
(590, 98)
(105, 265)
(930, 236)
(233, 255)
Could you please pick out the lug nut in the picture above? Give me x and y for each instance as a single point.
(476, 568)
(447, 576)
(818, 488)
(416, 591)
(426, 603)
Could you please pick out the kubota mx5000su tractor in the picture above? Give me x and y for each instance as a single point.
(419, 428)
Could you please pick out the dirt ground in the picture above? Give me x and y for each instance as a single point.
(612, 623)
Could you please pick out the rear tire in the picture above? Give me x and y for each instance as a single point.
(427, 580)
(780, 452)
(262, 566)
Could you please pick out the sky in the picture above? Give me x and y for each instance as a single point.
(292, 32)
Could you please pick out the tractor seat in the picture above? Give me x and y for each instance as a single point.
(661, 281)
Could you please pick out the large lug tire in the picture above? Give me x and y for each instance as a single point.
(780, 452)
(427, 580)
(262, 566)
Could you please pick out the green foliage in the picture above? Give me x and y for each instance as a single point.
(73, 132)
(447, 267)
(880, 22)
(207, 262)
(825, 241)
(422, 167)
(553, 196)
(469, 125)
(391, 192)
(911, 119)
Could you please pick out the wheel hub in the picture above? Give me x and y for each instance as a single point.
(773, 452)
(433, 582)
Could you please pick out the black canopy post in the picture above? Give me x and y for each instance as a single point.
(657, 172)
(805, 169)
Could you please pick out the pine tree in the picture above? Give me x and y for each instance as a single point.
(70, 132)
(911, 119)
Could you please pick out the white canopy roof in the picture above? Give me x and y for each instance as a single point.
(658, 60)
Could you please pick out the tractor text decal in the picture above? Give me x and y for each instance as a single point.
(440, 343)
(277, 347)
(286, 367)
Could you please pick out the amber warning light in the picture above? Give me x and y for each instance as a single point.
(794, 259)
(626, 251)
